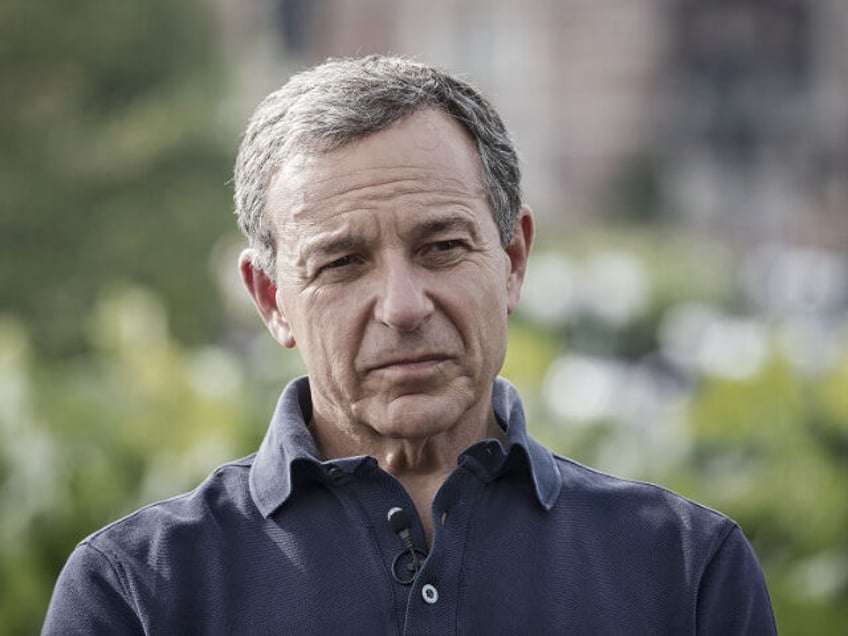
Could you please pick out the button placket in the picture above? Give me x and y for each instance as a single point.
(434, 608)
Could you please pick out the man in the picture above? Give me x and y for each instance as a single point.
(397, 490)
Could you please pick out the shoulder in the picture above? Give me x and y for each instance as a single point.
(642, 511)
(113, 575)
(219, 501)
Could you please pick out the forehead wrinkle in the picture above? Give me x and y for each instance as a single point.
(368, 198)
(393, 180)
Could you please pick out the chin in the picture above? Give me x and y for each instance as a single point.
(414, 416)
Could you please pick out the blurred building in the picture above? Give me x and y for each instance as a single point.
(755, 140)
(729, 116)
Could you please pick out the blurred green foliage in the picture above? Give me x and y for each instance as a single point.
(124, 380)
(112, 161)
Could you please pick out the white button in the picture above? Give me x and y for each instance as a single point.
(430, 594)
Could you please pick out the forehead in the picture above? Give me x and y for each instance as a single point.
(426, 156)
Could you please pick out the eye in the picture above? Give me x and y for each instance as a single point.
(447, 246)
(340, 268)
(446, 252)
(344, 261)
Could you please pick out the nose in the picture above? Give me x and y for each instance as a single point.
(403, 302)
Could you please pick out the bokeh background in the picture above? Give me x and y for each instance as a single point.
(685, 317)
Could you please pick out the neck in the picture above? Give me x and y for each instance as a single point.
(420, 464)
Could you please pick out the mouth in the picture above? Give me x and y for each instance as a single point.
(410, 363)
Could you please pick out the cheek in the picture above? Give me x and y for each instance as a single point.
(489, 293)
(479, 309)
(331, 337)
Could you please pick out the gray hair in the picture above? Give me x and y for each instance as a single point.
(343, 100)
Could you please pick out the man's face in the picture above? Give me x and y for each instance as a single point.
(391, 279)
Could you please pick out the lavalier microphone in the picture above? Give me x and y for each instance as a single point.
(400, 521)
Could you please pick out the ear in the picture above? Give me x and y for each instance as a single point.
(518, 251)
(264, 293)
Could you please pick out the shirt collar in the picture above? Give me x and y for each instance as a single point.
(288, 451)
(547, 480)
(287, 442)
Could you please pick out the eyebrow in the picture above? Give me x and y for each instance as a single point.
(332, 246)
(446, 224)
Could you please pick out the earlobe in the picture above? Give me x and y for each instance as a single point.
(518, 251)
(265, 296)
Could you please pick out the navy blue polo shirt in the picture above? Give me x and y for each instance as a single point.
(525, 542)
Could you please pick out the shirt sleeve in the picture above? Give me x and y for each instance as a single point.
(732, 597)
(89, 598)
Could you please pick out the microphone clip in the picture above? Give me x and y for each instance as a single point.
(410, 560)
